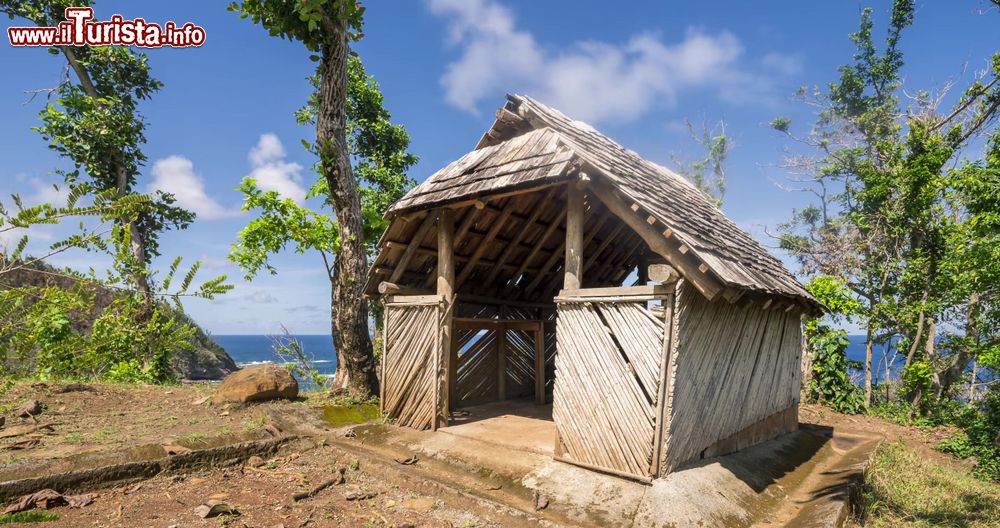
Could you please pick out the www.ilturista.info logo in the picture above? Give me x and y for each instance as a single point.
(79, 30)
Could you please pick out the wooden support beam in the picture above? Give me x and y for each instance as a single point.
(707, 284)
(484, 244)
(540, 365)
(573, 266)
(446, 289)
(463, 229)
(411, 248)
(501, 345)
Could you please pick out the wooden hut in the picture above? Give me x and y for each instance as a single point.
(503, 276)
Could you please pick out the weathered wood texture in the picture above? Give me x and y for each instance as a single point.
(733, 366)
(411, 383)
(511, 250)
(607, 383)
(496, 359)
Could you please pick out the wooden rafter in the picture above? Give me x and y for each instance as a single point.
(534, 250)
(484, 244)
(411, 248)
(669, 249)
(539, 208)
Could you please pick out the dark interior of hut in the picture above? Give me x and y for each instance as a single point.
(509, 253)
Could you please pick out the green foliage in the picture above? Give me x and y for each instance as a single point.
(708, 173)
(299, 363)
(378, 149)
(904, 489)
(307, 21)
(979, 437)
(30, 516)
(830, 382)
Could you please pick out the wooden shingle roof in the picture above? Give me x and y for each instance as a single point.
(532, 145)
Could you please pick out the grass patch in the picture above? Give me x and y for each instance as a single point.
(252, 423)
(902, 488)
(30, 516)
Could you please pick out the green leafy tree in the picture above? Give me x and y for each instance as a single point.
(325, 28)
(95, 123)
(829, 380)
(888, 210)
(709, 172)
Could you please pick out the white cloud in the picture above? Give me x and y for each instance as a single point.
(54, 194)
(782, 63)
(593, 81)
(175, 175)
(272, 172)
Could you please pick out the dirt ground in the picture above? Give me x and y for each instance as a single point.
(376, 492)
(97, 418)
(263, 497)
(919, 439)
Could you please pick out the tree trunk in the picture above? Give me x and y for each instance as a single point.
(869, 343)
(349, 311)
(137, 246)
(966, 353)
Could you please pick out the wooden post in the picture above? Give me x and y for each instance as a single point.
(501, 362)
(540, 364)
(574, 237)
(446, 289)
(665, 392)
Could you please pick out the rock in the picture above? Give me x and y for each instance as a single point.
(419, 505)
(3, 421)
(31, 408)
(205, 360)
(257, 383)
(255, 461)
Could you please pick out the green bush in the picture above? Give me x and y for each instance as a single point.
(831, 383)
(979, 436)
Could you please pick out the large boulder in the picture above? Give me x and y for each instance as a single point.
(257, 383)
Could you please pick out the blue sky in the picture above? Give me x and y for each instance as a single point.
(634, 70)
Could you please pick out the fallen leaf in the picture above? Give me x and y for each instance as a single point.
(494, 487)
(218, 496)
(201, 401)
(214, 508)
(46, 499)
(408, 461)
(197, 480)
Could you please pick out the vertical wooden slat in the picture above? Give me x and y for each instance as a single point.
(665, 364)
(540, 364)
(501, 362)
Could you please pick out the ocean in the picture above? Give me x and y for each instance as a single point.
(258, 349)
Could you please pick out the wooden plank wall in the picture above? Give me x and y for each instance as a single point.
(607, 384)
(476, 376)
(409, 366)
(732, 366)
